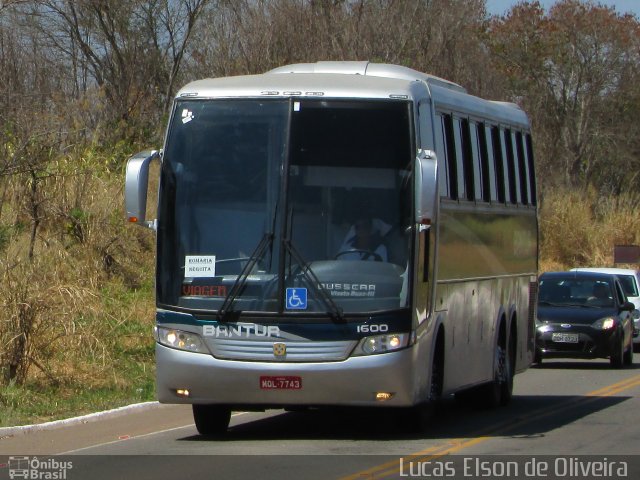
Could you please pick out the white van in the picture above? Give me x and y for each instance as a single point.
(630, 281)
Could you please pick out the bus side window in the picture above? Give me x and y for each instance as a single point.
(457, 136)
(477, 164)
(486, 167)
(498, 157)
(511, 167)
(532, 170)
(452, 161)
(469, 161)
(441, 153)
(522, 170)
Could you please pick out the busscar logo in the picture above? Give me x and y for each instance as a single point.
(36, 469)
(350, 289)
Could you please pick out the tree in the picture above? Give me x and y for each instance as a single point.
(570, 68)
(253, 36)
(131, 49)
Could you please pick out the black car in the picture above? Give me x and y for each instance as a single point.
(584, 315)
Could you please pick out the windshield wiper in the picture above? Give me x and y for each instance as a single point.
(577, 305)
(333, 309)
(241, 280)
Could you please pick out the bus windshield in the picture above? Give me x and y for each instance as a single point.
(286, 206)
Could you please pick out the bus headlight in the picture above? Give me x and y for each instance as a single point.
(179, 339)
(382, 343)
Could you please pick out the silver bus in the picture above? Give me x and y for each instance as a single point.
(340, 234)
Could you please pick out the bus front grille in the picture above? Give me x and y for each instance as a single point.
(296, 351)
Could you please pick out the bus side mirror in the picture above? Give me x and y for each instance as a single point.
(426, 188)
(135, 188)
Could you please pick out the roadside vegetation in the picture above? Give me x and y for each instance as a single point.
(84, 84)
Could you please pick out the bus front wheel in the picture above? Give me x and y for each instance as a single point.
(211, 419)
(417, 419)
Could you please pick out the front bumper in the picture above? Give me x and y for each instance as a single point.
(352, 382)
(591, 344)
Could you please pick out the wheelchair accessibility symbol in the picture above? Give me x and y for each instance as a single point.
(296, 298)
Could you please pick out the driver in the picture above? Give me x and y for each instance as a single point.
(600, 295)
(364, 241)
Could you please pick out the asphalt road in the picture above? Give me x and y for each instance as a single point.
(567, 420)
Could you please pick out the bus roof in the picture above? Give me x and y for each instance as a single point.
(356, 80)
(304, 85)
(383, 70)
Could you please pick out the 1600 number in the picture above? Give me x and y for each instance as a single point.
(373, 328)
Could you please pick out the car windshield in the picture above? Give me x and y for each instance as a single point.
(575, 292)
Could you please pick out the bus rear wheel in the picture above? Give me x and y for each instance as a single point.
(211, 419)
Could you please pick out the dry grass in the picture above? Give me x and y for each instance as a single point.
(76, 318)
(581, 228)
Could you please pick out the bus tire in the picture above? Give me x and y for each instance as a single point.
(211, 419)
(506, 393)
(500, 390)
(436, 384)
(417, 419)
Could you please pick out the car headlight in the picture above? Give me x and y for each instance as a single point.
(604, 323)
(542, 326)
(382, 343)
(179, 339)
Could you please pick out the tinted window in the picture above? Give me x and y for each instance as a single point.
(452, 169)
(467, 160)
(441, 152)
(230, 221)
(522, 169)
(499, 163)
(511, 167)
(532, 170)
(484, 161)
(629, 285)
(558, 291)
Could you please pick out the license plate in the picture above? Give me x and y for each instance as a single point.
(565, 337)
(281, 383)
